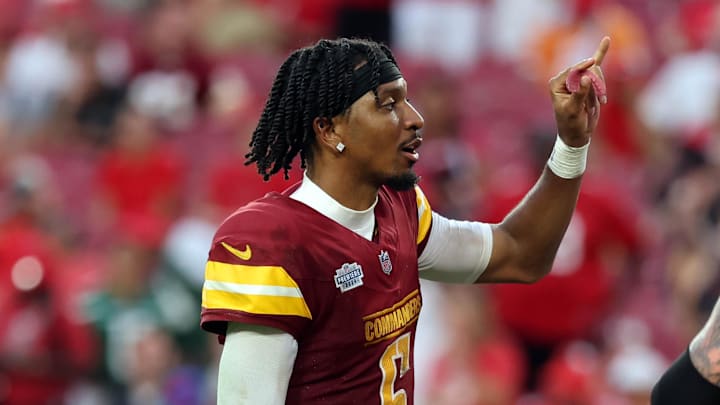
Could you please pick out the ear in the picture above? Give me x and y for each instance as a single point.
(325, 133)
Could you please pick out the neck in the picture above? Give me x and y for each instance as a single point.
(344, 188)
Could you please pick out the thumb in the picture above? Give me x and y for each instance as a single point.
(579, 96)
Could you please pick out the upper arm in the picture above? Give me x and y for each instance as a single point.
(456, 251)
(470, 251)
(465, 251)
(255, 365)
(450, 251)
(500, 267)
(253, 278)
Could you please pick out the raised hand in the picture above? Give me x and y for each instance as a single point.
(577, 109)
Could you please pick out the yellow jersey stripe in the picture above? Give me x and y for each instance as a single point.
(424, 214)
(255, 304)
(244, 274)
(252, 289)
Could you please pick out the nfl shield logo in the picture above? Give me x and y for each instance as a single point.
(385, 262)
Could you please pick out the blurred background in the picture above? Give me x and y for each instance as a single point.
(123, 126)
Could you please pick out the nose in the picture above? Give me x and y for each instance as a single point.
(413, 119)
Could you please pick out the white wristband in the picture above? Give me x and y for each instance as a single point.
(566, 161)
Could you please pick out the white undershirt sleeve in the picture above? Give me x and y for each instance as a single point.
(456, 251)
(255, 365)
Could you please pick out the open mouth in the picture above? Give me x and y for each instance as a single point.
(411, 154)
(409, 150)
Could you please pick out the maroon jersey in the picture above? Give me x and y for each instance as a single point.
(351, 303)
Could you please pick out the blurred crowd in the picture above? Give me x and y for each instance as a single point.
(123, 129)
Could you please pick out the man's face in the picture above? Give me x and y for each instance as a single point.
(381, 136)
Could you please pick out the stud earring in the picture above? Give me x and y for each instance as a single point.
(340, 147)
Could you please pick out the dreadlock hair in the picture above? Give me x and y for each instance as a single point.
(315, 81)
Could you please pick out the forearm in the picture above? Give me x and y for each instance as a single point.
(526, 241)
(705, 348)
(694, 378)
(682, 383)
(255, 365)
(535, 228)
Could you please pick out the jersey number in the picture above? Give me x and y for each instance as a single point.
(399, 349)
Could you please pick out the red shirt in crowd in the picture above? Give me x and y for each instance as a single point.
(571, 301)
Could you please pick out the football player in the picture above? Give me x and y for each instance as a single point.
(315, 291)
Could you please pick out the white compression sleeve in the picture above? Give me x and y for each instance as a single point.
(255, 365)
(456, 251)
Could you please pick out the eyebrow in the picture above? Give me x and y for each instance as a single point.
(392, 89)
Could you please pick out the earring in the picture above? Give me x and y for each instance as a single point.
(340, 147)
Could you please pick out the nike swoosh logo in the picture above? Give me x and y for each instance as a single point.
(241, 254)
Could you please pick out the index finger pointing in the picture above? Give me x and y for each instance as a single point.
(602, 50)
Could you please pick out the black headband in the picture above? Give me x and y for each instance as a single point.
(362, 78)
